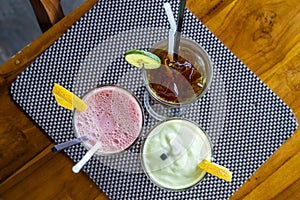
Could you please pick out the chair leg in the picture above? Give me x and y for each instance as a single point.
(47, 12)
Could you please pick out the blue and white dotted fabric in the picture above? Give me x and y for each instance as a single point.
(245, 120)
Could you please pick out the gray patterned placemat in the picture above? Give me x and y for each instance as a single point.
(246, 121)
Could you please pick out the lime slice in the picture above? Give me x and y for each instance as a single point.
(67, 99)
(216, 170)
(140, 58)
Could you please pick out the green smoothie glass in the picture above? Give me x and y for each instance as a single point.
(171, 152)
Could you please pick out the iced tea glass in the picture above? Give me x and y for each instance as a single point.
(172, 87)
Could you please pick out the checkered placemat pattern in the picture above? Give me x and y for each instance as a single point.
(245, 120)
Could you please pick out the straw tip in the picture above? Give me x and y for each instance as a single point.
(75, 169)
(54, 149)
(167, 4)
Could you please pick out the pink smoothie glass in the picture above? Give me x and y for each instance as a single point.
(114, 118)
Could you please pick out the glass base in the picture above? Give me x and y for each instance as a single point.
(160, 112)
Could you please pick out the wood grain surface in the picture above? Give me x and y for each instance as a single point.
(47, 12)
(265, 35)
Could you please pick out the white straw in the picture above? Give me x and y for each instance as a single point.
(171, 18)
(172, 31)
(171, 42)
(76, 168)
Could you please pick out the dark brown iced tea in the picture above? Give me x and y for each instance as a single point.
(175, 81)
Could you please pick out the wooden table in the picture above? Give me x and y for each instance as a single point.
(265, 35)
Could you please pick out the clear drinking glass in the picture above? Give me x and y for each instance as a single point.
(171, 152)
(114, 118)
(175, 85)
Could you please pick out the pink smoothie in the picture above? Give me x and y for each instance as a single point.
(114, 118)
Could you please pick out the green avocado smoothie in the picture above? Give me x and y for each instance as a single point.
(171, 153)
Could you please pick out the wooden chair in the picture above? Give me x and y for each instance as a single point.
(47, 12)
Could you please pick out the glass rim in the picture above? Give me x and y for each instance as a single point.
(205, 58)
(99, 153)
(142, 159)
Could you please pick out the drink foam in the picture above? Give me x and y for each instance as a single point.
(114, 117)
